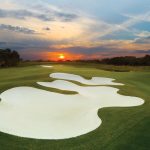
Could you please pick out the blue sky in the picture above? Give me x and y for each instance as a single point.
(79, 28)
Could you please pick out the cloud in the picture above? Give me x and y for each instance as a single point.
(144, 40)
(44, 16)
(143, 51)
(19, 14)
(66, 17)
(70, 29)
(47, 28)
(2, 43)
(125, 26)
(141, 17)
(16, 29)
(55, 12)
(143, 34)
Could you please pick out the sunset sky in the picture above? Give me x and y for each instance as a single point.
(78, 29)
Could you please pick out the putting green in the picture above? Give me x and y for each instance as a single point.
(122, 128)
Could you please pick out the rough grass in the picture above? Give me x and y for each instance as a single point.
(122, 128)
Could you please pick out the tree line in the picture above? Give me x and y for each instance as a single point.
(128, 60)
(122, 61)
(9, 58)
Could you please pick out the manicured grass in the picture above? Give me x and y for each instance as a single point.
(122, 128)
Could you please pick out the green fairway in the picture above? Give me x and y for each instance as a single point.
(121, 129)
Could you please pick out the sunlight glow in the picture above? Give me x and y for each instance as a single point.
(61, 56)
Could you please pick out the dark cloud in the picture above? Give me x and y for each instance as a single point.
(19, 14)
(27, 44)
(143, 51)
(16, 29)
(144, 40)
(13, 45)
(66, 17)
(23, 14)
(2, 43)
(46, 16)
(55, 14)
(47, 28)
(90, 50)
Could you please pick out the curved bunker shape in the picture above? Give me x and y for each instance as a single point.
(34, 113)
(93, 81)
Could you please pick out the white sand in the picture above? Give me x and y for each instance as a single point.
(34, 113)
(46, 66)
(103, 95)
(93, 81)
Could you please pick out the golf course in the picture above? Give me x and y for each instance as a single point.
(123, 126)
(74, 75)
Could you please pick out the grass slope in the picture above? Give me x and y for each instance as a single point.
(122, 128)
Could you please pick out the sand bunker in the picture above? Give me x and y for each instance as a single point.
(35, 113)
(103, 96)
(93, 81)
(46, 66)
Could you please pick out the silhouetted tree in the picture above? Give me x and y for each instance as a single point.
(8, 58)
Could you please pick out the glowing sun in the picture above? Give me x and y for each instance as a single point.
(61, 56)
